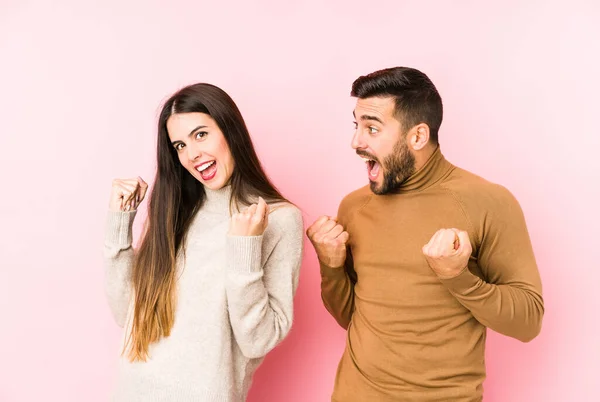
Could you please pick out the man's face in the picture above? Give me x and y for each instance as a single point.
(379, 139)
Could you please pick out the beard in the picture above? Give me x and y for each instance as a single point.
(397, 168)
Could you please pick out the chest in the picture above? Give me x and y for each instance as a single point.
(201, 266)
(386, 241)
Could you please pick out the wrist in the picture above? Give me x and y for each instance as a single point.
(449, 274)
(332, 265)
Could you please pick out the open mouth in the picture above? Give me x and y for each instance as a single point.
(373, 167)
(207, 170)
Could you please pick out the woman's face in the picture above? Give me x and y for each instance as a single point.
(202, 148)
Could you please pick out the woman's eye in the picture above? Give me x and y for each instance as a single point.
(179, 146)
(201, 134)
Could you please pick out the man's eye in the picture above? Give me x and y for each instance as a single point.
(373, 130)
(355, 125)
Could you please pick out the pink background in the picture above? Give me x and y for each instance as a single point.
(80, 87)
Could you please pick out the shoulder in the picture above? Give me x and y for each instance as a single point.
(354, 201)
(285, 229)
(475, 190)
(485, 204)
(286, 216)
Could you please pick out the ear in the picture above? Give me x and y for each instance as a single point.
(419, 136)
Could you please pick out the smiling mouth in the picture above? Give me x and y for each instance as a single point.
(207, 170)
(205, 166)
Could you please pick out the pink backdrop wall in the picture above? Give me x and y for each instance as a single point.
(80, 87)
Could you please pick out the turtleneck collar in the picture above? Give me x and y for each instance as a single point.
(217, 200)
(435, 169)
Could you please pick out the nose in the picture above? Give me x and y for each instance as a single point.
(193, 153)
(358, 141)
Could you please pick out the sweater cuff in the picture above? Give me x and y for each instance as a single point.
(462, 282)
(119, 228)
(244, 253)
(328, 272)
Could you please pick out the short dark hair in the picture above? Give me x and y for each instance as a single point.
(417, 100)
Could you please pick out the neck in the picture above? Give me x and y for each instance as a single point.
(217, 200)
(428, 173)
(424, 155)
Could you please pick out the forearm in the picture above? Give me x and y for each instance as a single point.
(118, 261)
(337, 293)
(514, 309)
(260, 299)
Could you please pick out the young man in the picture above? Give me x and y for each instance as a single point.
(419, 263)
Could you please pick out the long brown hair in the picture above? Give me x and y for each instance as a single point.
(175, 198)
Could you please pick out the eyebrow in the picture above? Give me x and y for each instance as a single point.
(368, 117)
(190, 134)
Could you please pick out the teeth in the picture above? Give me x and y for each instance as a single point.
(204, 166)
(366, 159)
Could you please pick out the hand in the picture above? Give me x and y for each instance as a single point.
(252, 222)
(329, 240)
(448, 252)
(127, 194)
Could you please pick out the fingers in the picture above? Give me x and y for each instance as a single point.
(251, 222)
(325, 228)
(314, 228)
(128, 193)
(329, 240)
(259, 214)
(129, 199)
(456, 240)
(446, 242)
(135, 202)
(120, 193)
(251, 210)
(258, 211)
(463, 240)
(261, 209)
(143, 189)
(431, 248)
(266, 214)
(127, 187)
(329, 232)
(334, 232)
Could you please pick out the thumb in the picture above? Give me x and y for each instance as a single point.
(266, 220)
(251, 210)
(463, 240)
(261, 209)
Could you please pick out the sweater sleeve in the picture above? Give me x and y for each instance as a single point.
(337, 284)
(118, 259)
(509, 298)
(260, 288)
(337, 291)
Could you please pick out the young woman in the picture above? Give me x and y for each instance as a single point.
(209, 291)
